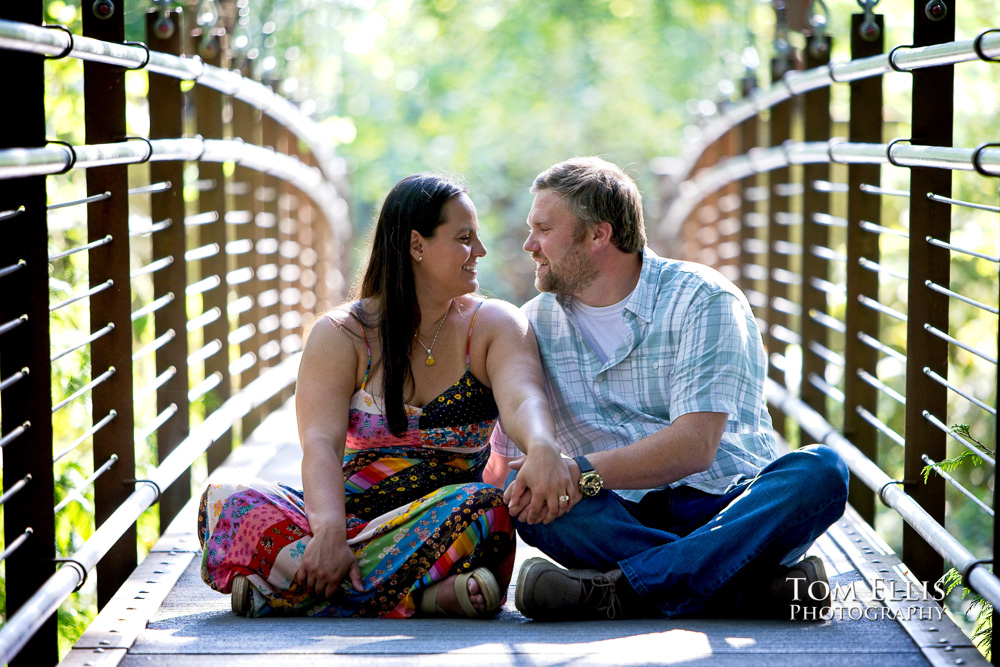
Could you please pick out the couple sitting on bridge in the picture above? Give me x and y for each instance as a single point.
(635, 446)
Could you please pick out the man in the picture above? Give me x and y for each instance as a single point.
(655, 373)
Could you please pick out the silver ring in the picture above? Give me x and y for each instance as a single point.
(564, 499)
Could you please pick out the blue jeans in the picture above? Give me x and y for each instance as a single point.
(687, 551)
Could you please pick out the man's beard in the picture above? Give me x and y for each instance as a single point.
(576, 273)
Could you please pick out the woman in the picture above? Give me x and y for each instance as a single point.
(397, 395)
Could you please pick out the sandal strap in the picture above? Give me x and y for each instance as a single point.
(462, 593)
(488, 587)
(428, 600)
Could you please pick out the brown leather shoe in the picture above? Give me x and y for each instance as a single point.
(800, 592)
(547, 592)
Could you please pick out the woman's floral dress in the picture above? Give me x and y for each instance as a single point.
(417, 512)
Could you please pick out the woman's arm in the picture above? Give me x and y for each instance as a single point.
(327, 376)
(515, 373)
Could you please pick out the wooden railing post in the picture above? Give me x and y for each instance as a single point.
(248, 208)
(26, 435)
(339, 260)
(269, 297)
(816, 119)
(104, 98)
(932, 122)
(865, 125)
(703, 211)
(778, 276)
(288, 222)
(307, 238)
(166, 121)
(212, 200)
(725, 236)
(749, 224)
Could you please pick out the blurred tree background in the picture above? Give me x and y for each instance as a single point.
(497, 90)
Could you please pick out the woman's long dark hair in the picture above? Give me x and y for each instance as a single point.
(415, 203)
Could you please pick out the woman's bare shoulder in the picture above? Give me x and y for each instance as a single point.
(498, 309)
(338, 323)
(349, 316)
(498, 317)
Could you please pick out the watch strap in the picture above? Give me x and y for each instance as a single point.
(583, 464)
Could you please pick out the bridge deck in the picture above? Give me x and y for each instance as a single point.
(165, 615)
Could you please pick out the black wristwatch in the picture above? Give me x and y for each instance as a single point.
(590, 481)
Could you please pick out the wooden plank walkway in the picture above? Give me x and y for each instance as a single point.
(164, 615)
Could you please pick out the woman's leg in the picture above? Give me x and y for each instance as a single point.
(478, 534)
(258, 530)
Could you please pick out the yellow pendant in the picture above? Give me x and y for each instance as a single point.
(430, 360)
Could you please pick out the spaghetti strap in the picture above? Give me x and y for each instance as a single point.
(368, 347)
(468, 343)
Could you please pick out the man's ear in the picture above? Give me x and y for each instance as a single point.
(600, 235)
(416, 244)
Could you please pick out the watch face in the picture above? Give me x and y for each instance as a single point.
(590, 483)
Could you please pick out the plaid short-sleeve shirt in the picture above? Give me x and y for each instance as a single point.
(692, 346)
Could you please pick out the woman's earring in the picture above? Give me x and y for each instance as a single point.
(420, 259)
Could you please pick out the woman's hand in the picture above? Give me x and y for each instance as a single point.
(542, 478)
(326, 561)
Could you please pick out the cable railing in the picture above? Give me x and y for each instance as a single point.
(164, 325)
(51, 41)
(985, 46)
(878, 305)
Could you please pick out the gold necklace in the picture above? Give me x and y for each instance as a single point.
(430, 361)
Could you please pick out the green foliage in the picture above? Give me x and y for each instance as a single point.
(954, 463)
(495, 91)
(982, 636)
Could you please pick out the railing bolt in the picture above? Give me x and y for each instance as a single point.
(163, 27)
(936, 10)
(210, 48)
(103, 9)
(819, 47)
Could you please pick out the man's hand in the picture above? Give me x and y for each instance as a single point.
(325, 562)
(542, 478)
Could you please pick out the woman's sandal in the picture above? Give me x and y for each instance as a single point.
(488, 588)
(241, 597)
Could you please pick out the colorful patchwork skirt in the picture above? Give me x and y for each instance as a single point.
(432, 530)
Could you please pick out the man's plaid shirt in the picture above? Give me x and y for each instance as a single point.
(693, 346)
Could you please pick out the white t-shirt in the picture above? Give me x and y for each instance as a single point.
(602, 327)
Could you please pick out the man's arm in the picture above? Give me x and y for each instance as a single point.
(686, 447)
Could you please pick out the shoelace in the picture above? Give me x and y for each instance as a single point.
(602, 590)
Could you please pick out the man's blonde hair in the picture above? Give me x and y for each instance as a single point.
(596, 191)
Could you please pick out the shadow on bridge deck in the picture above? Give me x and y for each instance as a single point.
(165, 615)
